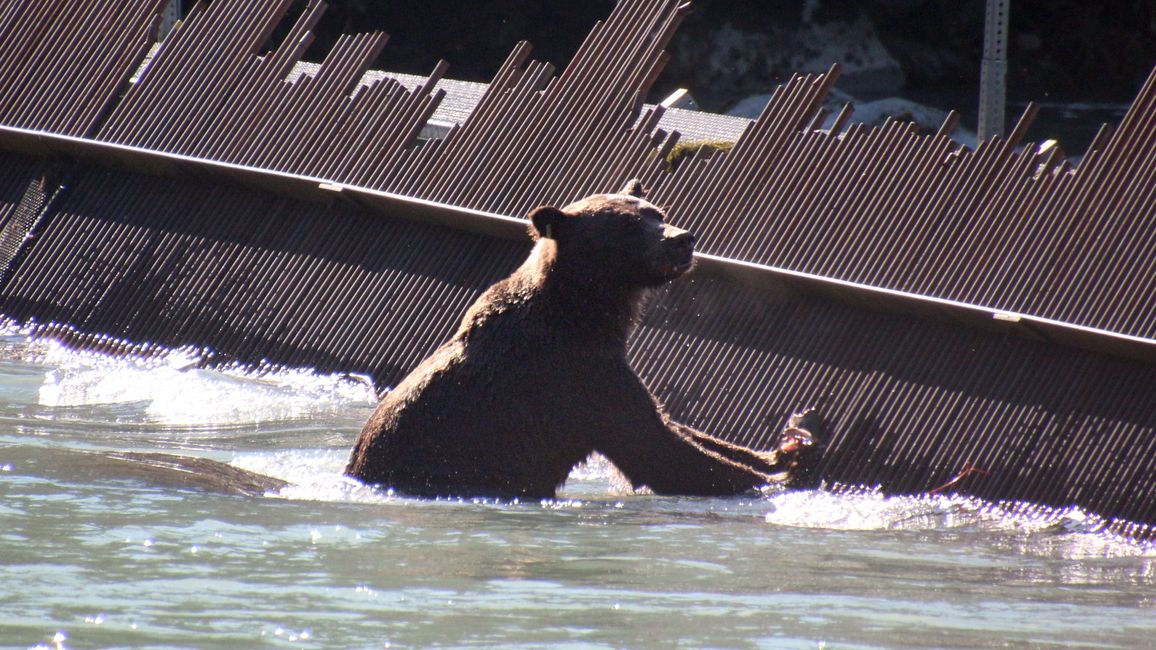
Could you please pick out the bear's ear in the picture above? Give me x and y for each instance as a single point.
(546, 219)
(634, 188)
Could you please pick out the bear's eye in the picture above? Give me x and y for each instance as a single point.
(652, 215)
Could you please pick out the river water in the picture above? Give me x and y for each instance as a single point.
(91, 559)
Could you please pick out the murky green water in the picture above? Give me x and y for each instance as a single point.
(93, 560)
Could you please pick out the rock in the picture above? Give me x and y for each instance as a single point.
(729, 62)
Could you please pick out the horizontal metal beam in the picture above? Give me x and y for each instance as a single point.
(393, 205)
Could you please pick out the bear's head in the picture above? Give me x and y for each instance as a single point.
(618, 239)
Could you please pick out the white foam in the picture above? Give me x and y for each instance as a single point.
(1074, 531)
(858, 511)
(170, 389)
(313, 475)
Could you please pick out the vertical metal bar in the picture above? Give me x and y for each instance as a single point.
(993, 72)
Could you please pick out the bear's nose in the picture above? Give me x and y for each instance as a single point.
(679, 237)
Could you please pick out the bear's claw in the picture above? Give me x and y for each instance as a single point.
(800, 445)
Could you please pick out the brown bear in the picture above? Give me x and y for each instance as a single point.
(536, 377)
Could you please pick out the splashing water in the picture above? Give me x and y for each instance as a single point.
(171, 389)
(96, 561)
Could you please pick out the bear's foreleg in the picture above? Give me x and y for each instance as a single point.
(792, 458)
(632, 431)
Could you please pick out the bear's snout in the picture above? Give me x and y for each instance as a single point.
(678, 236)
(680, 241)
(679, 246)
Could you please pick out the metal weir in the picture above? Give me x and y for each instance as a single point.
(947, 308)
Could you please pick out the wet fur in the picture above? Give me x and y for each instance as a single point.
(536, 377)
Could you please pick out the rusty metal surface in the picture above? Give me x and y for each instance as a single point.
(64, 62)
(175, 258)
(263, 279)
(211, 90)
(911, 402)
(27, 187)
(1001, 226)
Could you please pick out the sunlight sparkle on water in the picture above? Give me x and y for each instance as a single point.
(329, 562)
(160, 387)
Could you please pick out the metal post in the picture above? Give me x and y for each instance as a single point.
(993, 74)
(169, 17)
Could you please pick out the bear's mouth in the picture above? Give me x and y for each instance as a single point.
(679, 257)
(675, 268)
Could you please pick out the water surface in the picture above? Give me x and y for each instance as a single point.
(91, 559)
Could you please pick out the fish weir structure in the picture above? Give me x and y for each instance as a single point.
(973, 320)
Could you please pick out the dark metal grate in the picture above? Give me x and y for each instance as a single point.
(251, 276)
(912, 402)
(1002, 226)
(27, 186)
(64, 62)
